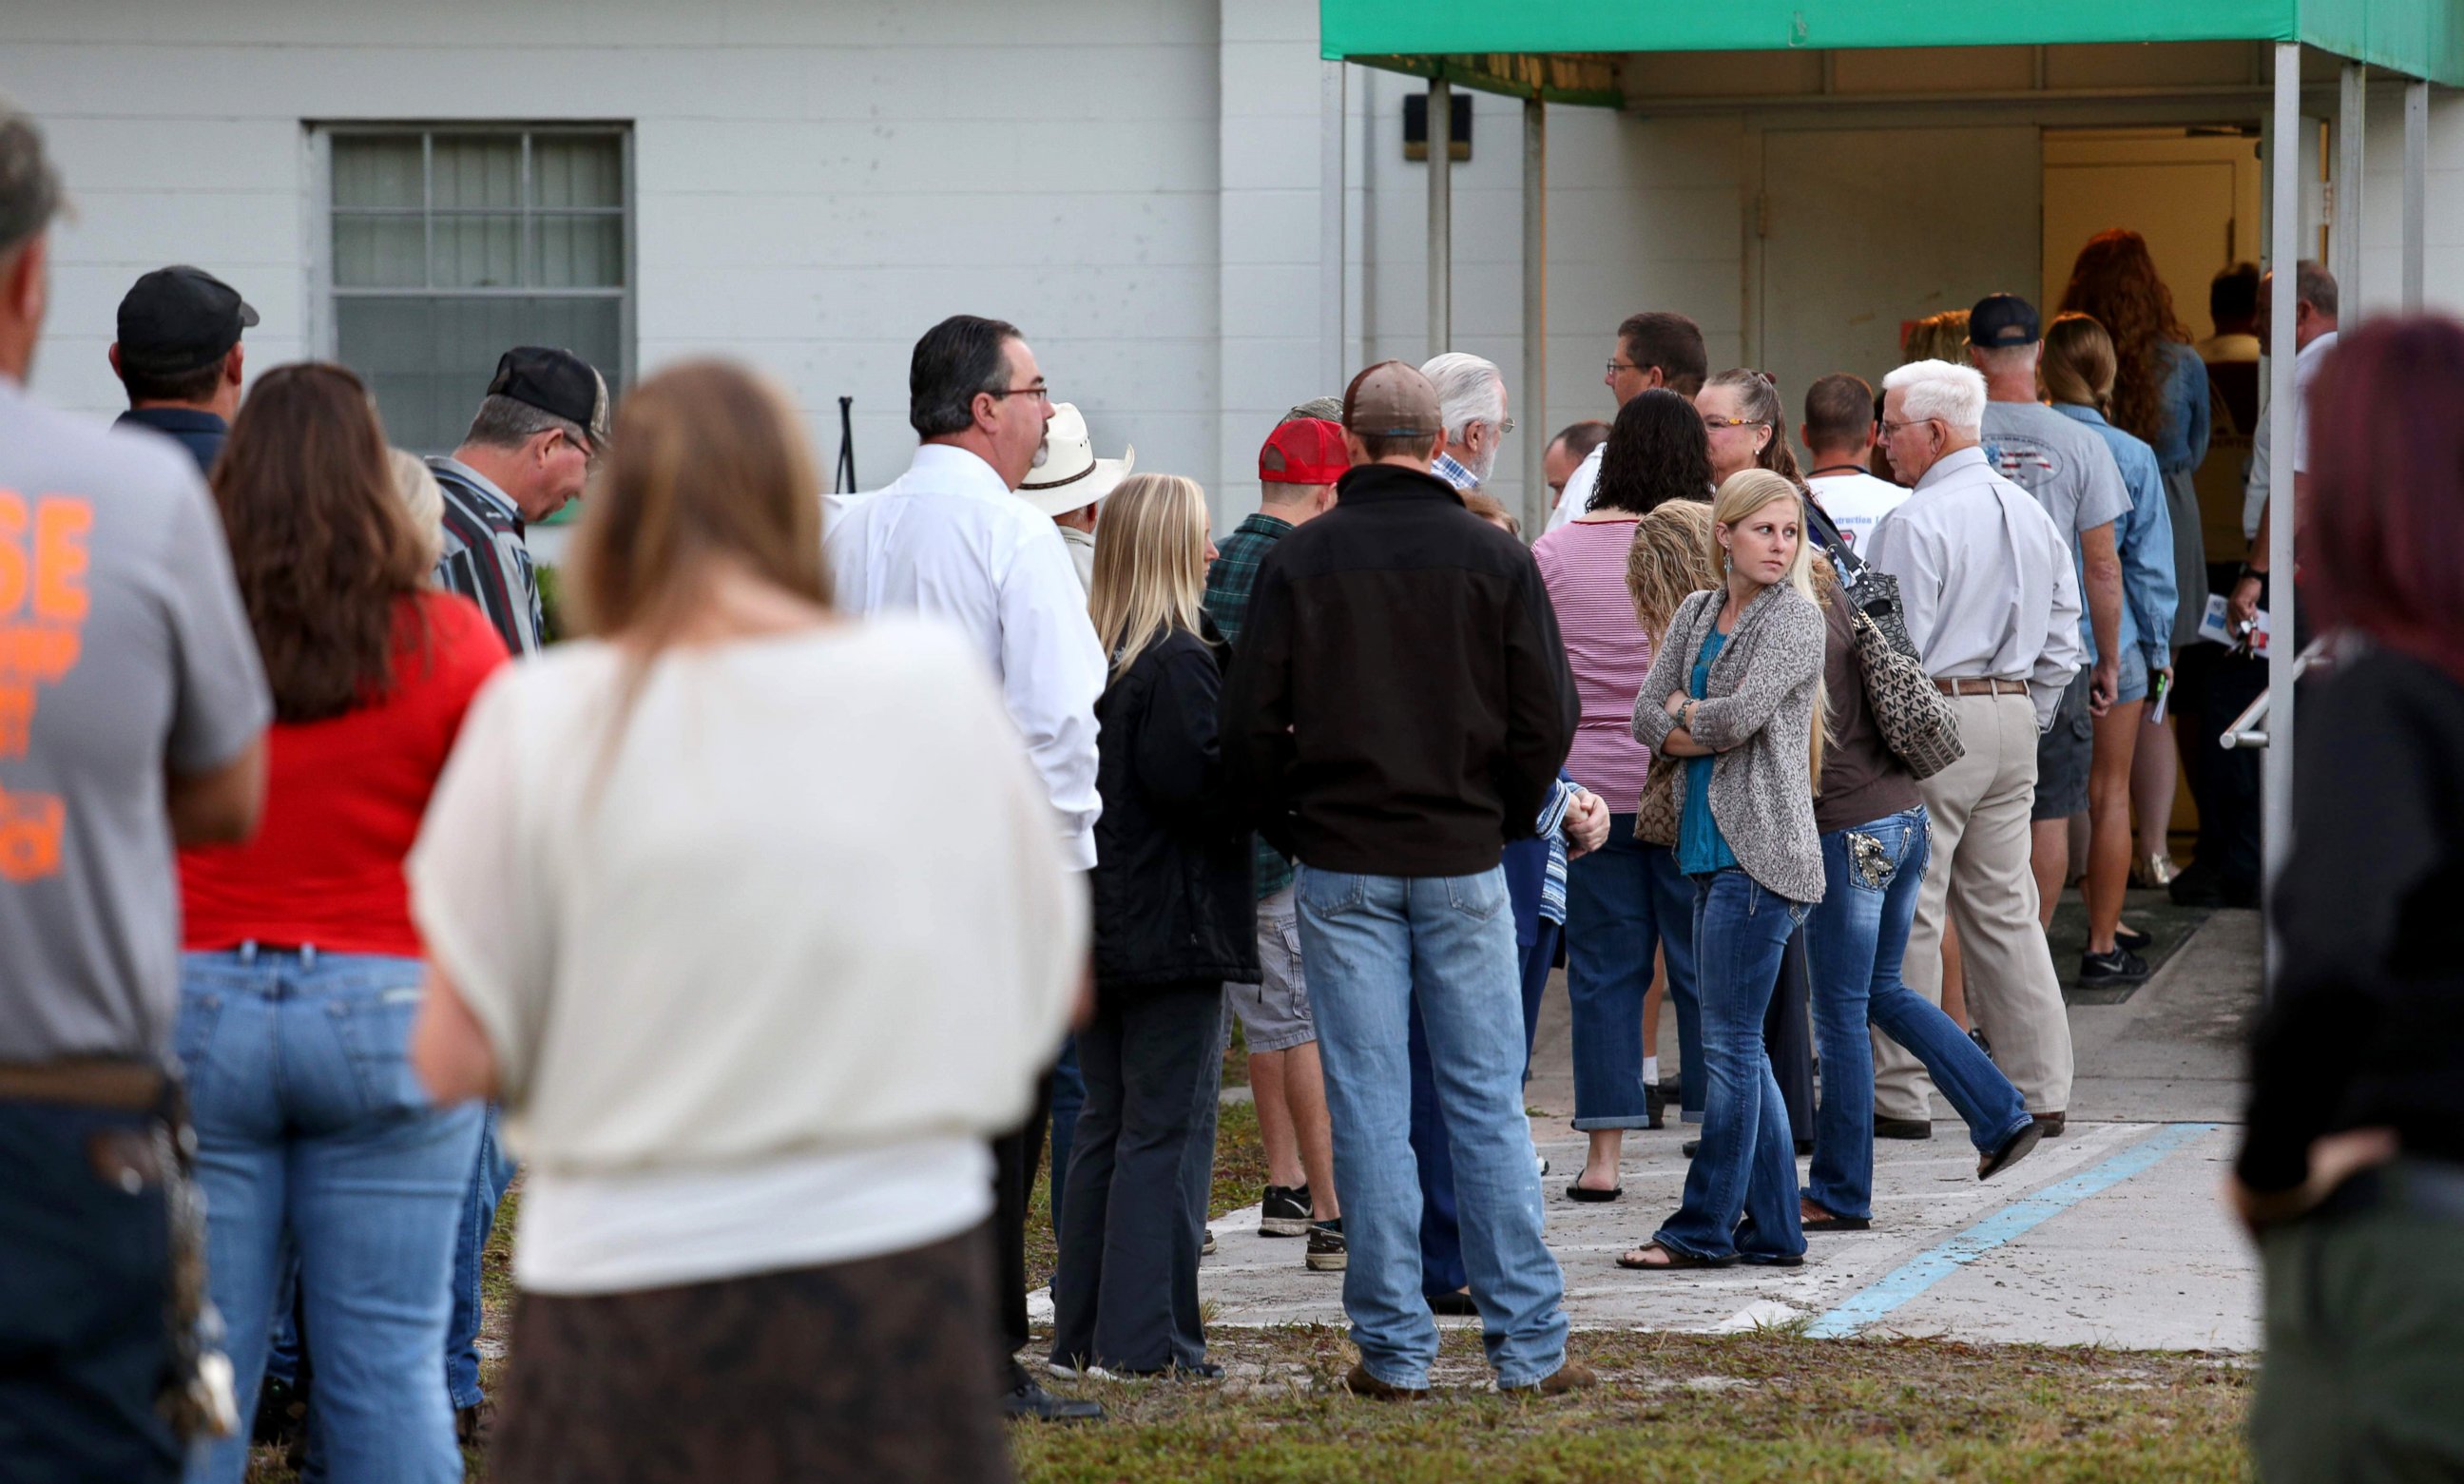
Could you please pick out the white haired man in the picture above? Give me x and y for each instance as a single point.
(1471, 402)
(1993, 602)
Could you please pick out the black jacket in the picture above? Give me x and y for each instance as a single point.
(1173, 900)
(1401, 702)
(2365, 1026)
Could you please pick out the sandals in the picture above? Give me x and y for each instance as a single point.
(1579, 1191)
(1827, 1222)
(1677, 1261)
(2014, 1149)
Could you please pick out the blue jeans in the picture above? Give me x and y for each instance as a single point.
(483, 1191)
(309, 1120)
(1856, 936)
(1747, 1167)
(85, 1263)
(1377, 947)
(1622, 901)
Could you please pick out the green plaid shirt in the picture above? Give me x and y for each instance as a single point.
(1228, 583)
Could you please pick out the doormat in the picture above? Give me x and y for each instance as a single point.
(2151, 911)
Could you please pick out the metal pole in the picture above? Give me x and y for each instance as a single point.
(2352, 132)
(1441, 213)
(2284, 236)
(2417, 189)
(1330, 218)
(1534, 392)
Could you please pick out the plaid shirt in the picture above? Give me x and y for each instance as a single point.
(1451, 469)
(1228, 583)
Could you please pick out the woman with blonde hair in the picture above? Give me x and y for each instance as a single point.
(1736, 689)
(1175, 920)
(2078, 369)
(751, 1071)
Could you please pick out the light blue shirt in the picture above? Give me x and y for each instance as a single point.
(2144, 537)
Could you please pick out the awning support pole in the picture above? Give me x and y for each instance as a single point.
(1331, 222)
(2417, 189)
(1442, 215)
(1533, 394)
(2352, 133)
(2284, 251)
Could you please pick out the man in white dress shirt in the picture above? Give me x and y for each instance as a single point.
(951, 537)
(1654, 348)
(1993, 602)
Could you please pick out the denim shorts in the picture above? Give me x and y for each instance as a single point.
(1275, 1012)
(2064, 754)
(2133, 684)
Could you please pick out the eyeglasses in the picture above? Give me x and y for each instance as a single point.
(1616, 366)
(1039, 390)
(1712, 423)
(1892, 430)
(1504, 428)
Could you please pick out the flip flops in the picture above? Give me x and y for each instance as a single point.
(1678, 1262)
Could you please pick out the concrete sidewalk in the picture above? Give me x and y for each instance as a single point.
(2112, 1235)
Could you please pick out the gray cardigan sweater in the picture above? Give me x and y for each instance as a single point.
(1757, 716)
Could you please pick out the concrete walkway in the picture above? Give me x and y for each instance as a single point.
(2112, 1235)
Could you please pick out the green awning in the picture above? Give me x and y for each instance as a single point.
(2420, 38)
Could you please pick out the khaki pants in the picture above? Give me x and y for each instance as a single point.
(1979, 875)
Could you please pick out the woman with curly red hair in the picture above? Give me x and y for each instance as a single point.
(2160, 395)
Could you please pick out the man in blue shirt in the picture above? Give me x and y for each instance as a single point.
(179, 356)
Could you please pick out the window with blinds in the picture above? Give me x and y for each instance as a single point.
(451, 245)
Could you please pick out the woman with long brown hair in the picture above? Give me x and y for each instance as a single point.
(2160, 397)
(690, 885)
(303, 969)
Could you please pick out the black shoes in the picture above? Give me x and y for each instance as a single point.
(1456, 1304)
(2053, 1123)
(1031, 1402)
(1327, 1253)
(2014, 1149)
(1285, 1211)
(2199, 887)
(2120, 966)
(1901, 1128)
(1691, 1148)
(1655, 1103)
(2124, 936)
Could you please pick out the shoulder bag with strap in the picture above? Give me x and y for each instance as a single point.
(1915, 717)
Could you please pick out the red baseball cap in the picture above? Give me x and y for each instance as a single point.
(1305, 451)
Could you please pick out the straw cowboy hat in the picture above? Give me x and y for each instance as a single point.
(1068, 475)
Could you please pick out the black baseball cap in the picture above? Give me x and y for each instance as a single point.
(178, 320)
(2002, 319)
(558, 381)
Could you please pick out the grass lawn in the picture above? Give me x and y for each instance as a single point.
(1764, 1407)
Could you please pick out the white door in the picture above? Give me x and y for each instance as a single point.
(1866, 230)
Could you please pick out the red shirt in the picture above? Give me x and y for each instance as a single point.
(343, 801)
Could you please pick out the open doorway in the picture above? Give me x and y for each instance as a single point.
(2192, 193)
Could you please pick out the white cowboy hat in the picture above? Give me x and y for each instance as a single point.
(1069, 474)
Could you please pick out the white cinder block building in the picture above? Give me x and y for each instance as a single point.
(808, 184)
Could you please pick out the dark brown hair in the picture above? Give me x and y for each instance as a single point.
(1838, 412)
(2115, 281)
(1670, 341)
(319, 543)
(2078, 362)
(2386, 459)
(705, 461)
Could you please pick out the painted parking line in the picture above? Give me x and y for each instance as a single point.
(1931, 1267)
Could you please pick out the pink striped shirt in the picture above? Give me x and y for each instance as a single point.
(1583, 563)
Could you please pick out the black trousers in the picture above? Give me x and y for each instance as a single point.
(1016, 1157)
(1788, 1035)
(1127, 1293)
(2212, 686)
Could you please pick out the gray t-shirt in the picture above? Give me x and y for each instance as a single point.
(2063, 463)
(123, 651)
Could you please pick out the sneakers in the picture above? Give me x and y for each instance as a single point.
(1327, 1253)
(2120, 966)
(1285, 1211)
(1206, 1248)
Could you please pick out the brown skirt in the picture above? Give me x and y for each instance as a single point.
(881, 1369)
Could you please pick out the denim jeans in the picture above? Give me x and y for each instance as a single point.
(1856, 936)
(309, 1120)
(84, 1265)
(491, 1172)
(1376, 947)
(1747, 1167)
(1622, 901)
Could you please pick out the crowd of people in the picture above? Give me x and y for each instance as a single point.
(324, 859)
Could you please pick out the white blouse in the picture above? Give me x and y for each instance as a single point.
(809, 903)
